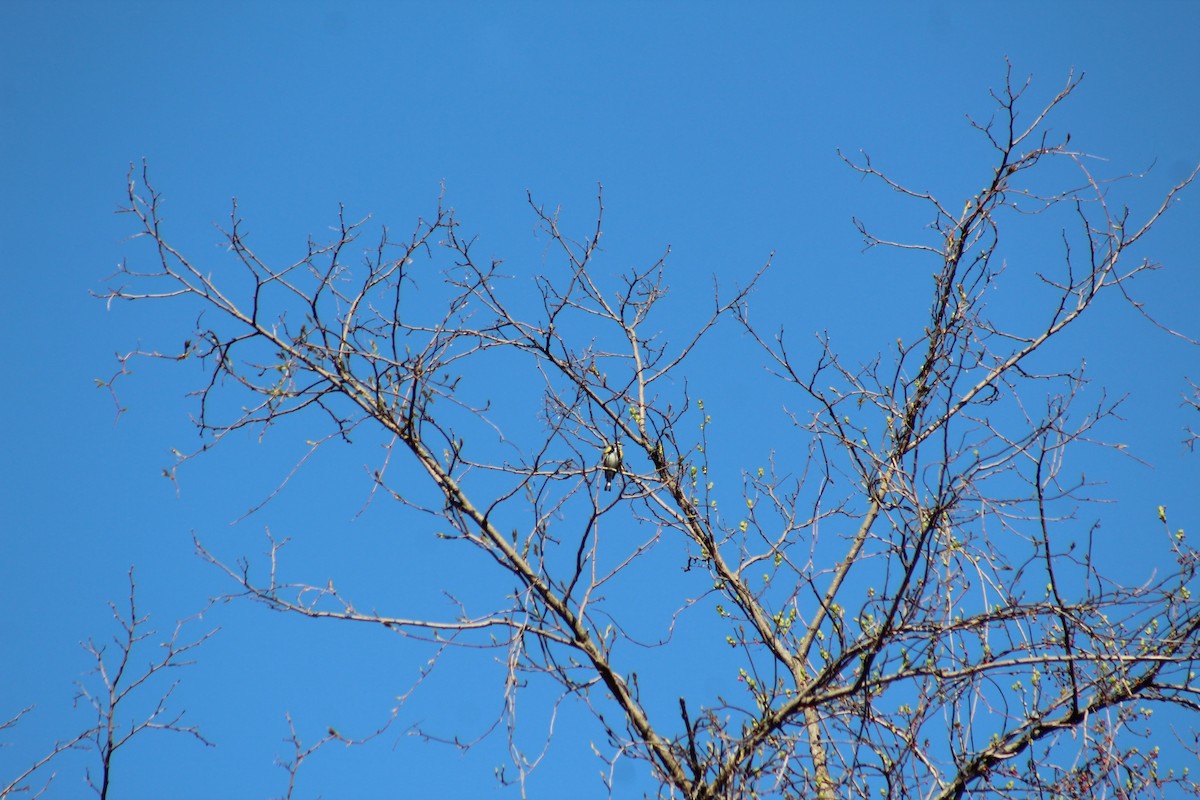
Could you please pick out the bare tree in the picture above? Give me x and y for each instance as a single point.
(25, 782)
(1192, 399)
(904, 602)
(117, 701)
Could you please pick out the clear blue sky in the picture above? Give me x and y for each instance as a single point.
(713, 129)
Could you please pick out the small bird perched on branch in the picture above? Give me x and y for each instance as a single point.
(611, 462)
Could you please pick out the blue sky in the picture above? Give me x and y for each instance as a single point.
(713, 129)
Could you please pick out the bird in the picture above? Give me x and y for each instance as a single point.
(611, 461)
